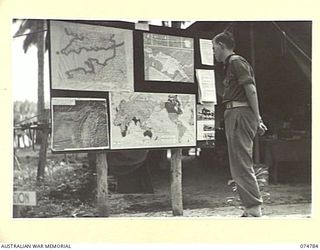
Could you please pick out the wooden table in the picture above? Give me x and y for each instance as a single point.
(274, 151)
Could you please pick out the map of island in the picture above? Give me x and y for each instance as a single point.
(79, 124)
(90, 57)
(152, 120)
(168, 58)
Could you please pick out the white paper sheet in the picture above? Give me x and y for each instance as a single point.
(207, 88)
(206, 52)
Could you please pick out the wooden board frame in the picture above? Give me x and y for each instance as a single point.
(140, 85)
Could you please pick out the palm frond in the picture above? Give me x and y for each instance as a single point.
(32, 27)
(30, 39)
(26, 25)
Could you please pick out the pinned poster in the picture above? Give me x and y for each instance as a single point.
(168, 58)
(206, 52)
(79, 124)
(207, 87)
(152, 120)
(205, 122)
(90, 57)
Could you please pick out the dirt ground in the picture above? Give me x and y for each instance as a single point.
(69, 191)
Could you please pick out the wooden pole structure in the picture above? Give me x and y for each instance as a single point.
(102, 184)
(16, 211)
(92, 161)
(256, 149)
(176, 182)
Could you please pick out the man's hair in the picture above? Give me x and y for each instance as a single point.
(226, 38)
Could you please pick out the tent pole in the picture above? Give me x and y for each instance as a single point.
(256, 149)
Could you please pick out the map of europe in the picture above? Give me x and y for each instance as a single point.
(79, 124)
(90, 57)
(168, 58)
(151, 120)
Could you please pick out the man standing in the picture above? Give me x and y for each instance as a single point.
(242, 121)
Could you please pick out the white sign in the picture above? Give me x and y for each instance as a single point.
(24, 198)
(206, 52)
(207, 87)
(142, 26)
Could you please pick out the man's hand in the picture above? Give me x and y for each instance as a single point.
(262, 128)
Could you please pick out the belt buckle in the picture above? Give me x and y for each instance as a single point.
(229, 105)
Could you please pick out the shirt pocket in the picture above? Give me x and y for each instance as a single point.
(230, 77)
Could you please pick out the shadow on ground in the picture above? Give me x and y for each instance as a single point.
(69, 191)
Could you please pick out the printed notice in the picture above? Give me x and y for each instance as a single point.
(205, 122)
(206, 52)
(207, 88)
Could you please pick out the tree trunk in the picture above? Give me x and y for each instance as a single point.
(42, 136)
(42, 153)
(40, 55)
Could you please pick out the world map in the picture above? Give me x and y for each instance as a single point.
(151, 120)
(79, 124)
(90, 57)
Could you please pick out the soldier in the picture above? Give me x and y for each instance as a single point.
(242, 120)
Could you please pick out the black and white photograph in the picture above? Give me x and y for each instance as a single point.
(79, 124)
(69, 164)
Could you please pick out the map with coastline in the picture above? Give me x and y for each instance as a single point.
(168, 58)
(91, 57)
(79, 124)
(151, 120)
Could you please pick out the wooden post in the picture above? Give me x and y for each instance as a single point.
(43, 153)
(66, 158)
(16, 211)
(256, 149)
(102, 185)
(92, 161)
(33, 138)
(176, 182)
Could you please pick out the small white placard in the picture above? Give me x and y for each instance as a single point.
(24, 198)
(142, 26)
(207, 87)
(64, 101)
(206, 52)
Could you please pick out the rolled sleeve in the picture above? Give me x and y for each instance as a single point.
(244, 72)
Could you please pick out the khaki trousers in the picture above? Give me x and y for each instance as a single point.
(241, 128)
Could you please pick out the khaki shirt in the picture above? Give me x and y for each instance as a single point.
(237, 73)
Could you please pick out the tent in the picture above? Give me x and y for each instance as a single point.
(280, 52)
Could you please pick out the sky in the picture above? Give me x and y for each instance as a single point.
(25, 70)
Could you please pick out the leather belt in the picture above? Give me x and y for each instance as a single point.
(236, 104)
